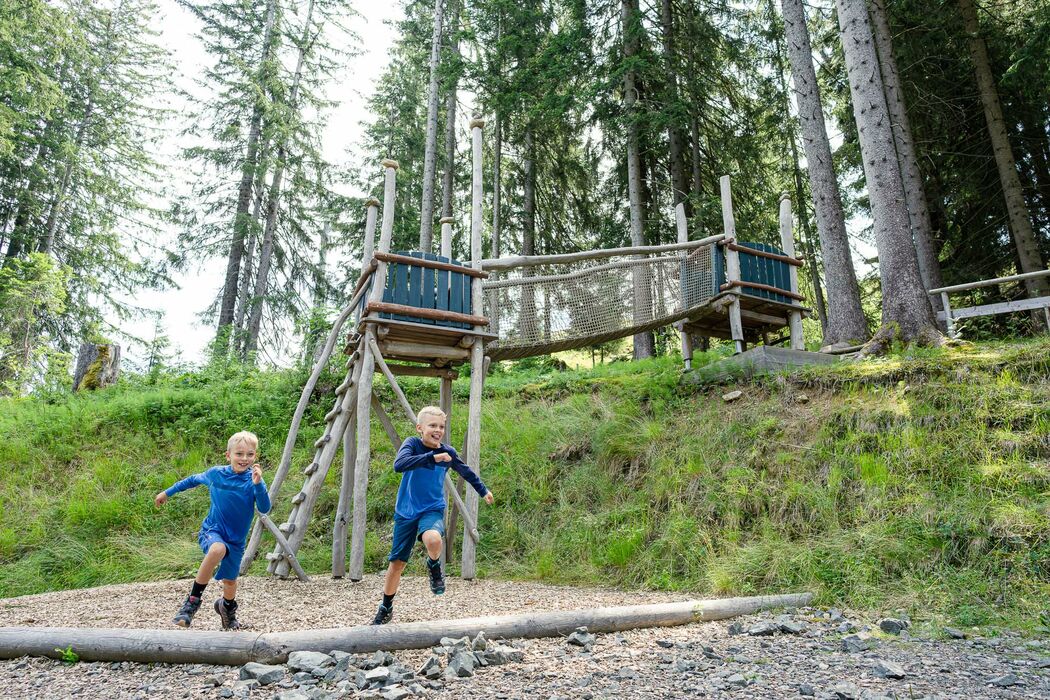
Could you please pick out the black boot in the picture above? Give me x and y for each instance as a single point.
(227, 613)
(437, 578)
(189, 608)
(383, 615)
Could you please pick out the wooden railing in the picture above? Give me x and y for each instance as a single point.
(949, 315)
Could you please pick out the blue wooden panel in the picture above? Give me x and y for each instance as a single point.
(428, 299)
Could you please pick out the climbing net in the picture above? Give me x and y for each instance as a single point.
(544, 308)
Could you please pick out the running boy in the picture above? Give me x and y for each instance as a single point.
(420, 510)
(236, 490)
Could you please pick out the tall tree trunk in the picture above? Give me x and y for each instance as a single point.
(1036, 135)
(448, 184)
(244, 191)
(906, 313)
(1020, 223)
(426, 216)
(262, 275)
(528, 218)
(918, 209)
(644, 345)
(47, 243)
(694, 143)
(314, 329)
(846, 324)
(675, 135)
(244, 296)
(497, 147)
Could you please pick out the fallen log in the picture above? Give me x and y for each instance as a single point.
(235, 648)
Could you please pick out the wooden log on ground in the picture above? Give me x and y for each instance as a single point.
(235, 648)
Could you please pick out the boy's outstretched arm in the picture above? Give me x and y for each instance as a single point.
(407, 459)
(262, 496)
(188, 483)
(468, 474)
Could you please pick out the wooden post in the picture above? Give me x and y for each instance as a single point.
(683, 237)
(477, 354)
(948, 314)
(364, 388)
(446, 236)
(342, 513)
(736, 326)
(445, 404)
(787, 243)
(285, 545)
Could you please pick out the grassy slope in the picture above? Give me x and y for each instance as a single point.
(918, 482)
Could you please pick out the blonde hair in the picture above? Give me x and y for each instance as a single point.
(429, 411)
(249, 439)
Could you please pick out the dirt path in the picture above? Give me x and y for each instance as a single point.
(705, 660)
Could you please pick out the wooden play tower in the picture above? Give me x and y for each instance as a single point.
(419, 314)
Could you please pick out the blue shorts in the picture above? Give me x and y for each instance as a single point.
(230, 566)
(408, 530)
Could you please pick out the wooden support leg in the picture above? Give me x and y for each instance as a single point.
(687, 349)
(388, 425)
(364, 425)
(477, 382)
(736, 326)
(283, 543)
(949, 321)
(445, 404)
(342, 513)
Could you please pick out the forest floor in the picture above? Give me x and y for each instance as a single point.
(807, 653)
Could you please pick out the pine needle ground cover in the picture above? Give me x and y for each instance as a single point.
(921, 481)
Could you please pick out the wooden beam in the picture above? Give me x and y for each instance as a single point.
(532, 260)
(432, 314)
(363, 432)
(402, 349)
(238, 648)
(420, 371)
(402, 399)
(346, 492)
(763, 318)
(470, 523)
(283, 542)
(796, 262)
(1000, 308)
(388, 425)
(989, 283)
(764, 287)
(433, 264)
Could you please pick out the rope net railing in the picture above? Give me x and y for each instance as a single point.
(546, 307)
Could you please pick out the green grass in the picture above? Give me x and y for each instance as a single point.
(919, 481)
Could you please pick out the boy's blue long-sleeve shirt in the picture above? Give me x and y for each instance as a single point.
(423, 478)
(234, 499)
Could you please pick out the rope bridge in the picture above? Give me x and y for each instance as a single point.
(551, 305)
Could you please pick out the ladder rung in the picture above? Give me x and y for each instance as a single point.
(344, 387)
(311, 469)
(286, 527)
(270, 556)
(322, 441)
(330, 416)
(299, 498)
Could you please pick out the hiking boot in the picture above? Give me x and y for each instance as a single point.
(383, 615)
(437, 579)
(189, 608)
(228, 614)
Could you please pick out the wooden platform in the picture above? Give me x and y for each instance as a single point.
(759, 316)
(421, 342)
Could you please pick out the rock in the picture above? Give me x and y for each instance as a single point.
(763, 629)
(360, 680)
(479, 643)
(893, 625)
(431, 668)
(735, 628)
(309, 660)
(736, 681)
(457, 644)
(835, 615)
(844, 691)
(855, 643)
(664, 644)
(213, 681)
(581, 638)
(292, 695)
(846, 627)
(1043, 662)
(250, 684)
(302, 676)
(497, 655)
(334, 675)
(801, 398)
(377, 676)
(1005, 681)
(954, 633)
(626, 673)
(732, 396)
(396, 692)
(889, 669)
(788, 626)
(684, 665)
(263, 673)
(343, 660)
(461, 665)
(806, 690)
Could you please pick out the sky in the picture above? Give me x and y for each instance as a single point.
(194, 290)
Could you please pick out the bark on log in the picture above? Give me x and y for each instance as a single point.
(98, 366)
(235, 648)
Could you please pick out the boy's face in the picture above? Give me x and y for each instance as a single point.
(431, 429)
(241, 456)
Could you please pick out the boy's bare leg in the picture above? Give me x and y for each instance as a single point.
(211, 560)
(393, 577)
(432, 541)
(229, 589)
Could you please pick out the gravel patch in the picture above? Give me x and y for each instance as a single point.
(772, 655)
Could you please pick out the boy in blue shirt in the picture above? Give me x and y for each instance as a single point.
(236, 490)
(420, 510)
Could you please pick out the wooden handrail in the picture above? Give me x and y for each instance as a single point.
(763, 287)
(797, 262)
(433, 264)
(989, 283)
(531, 260)
(432, 314)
